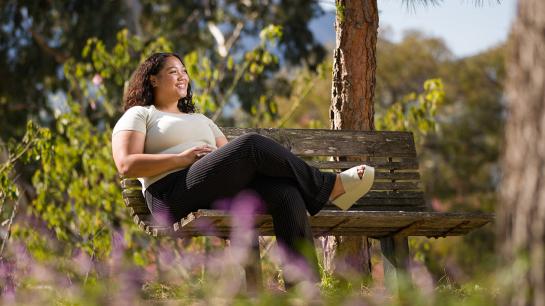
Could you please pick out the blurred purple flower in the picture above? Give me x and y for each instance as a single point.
(97, 79)
(7, 281)
(82, 262)
(422, 278)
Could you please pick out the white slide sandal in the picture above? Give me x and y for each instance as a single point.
(354, 187)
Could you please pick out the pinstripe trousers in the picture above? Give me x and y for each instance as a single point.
(288, 186)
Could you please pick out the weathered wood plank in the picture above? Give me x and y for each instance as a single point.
(134, 198)
(383, 217)
(131, 184)
(137, 194)
(137, 208)
(373, 201)
(394, 194)
(319, 142)
(378, 185)
(390, 201)
(143, 222)
(158, 231)
(404, 164)
(397, 175)
(374, 224)
(132, 193)
(376, 234)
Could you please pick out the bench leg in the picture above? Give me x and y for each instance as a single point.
(254, 280)
(395, 257)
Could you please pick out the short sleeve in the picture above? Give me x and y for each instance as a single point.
(215, 129)
(134, 119)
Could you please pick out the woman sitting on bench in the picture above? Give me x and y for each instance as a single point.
(185, 163)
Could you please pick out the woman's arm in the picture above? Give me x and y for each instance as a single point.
(128, 148)
(221, 141)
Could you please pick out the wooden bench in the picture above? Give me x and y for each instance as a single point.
(394, 209)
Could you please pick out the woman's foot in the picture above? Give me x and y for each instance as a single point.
(352, 184)
(338, 188)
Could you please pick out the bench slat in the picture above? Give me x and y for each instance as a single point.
(135, 207)
(134, 199)
(370, 223)
(135, 184)
(402, 164)
(376, 189)
(138, 206)
(321, 142)
(317, 231)
(137, 194)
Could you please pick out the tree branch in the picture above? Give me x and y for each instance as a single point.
(59, 56)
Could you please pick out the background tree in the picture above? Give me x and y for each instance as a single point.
(37, 38)
(352, 105)
(521, 217)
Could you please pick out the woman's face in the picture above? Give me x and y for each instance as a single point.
(172, 80)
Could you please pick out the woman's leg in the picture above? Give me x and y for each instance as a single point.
(231, 168)
(286, 205)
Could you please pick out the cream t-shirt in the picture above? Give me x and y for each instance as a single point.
(167, 133)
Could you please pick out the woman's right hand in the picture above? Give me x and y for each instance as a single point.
(193, 154)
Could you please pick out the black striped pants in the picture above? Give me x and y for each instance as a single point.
(288, 186)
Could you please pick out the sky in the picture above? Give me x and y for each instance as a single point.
(466, 28)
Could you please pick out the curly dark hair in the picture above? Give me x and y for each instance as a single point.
(140, 90)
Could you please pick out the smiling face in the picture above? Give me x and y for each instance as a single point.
(171, 82)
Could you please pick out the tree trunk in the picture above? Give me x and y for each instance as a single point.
(521, 216)
(354, 65)
(352, 106)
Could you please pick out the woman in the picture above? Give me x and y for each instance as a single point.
(185, 162)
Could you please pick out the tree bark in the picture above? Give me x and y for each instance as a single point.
(354, 65)
(352, 106)
(521, 216)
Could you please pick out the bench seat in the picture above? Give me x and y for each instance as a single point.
(374, 224)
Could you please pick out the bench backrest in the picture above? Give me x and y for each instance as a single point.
(397, 185)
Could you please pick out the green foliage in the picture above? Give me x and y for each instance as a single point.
(98, 80)
(300, 101)
(37, 39)
(415, 112)
(260, 58)
(459, 160)
(403, 67)
(77, 192)
(238, 73)
(34, 146)
(468, 147)
(78, 195)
